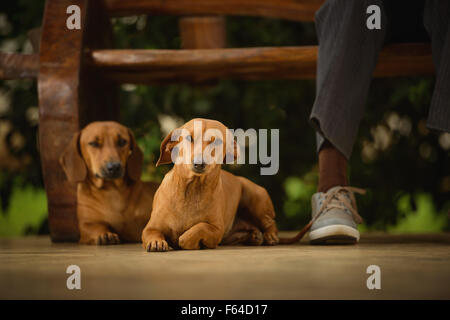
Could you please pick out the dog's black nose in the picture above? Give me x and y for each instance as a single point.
(199, 166)
(113, 168)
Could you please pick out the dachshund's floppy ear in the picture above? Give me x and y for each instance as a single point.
(135, 160)
(72, 162)
(165, 150)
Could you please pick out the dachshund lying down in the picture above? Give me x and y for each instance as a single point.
(113, 204)
(197, 205)
(200, 205)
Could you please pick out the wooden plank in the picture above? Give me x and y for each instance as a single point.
(296, 10)
(413, 266)
(405, 59)
(153, 66)
(141, 66)
(21, 66)
(18, 66)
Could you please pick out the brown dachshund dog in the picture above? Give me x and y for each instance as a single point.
(200, 205)
(113, 204)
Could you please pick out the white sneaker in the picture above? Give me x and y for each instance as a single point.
(335, 216)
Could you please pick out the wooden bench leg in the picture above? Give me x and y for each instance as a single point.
(206, 32)
(69, 97)
(203, 32)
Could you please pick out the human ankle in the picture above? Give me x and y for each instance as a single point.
(332, 168)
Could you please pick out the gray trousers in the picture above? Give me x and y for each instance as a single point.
(348, 53)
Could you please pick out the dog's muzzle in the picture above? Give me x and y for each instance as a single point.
(112, 170)
(199, 167)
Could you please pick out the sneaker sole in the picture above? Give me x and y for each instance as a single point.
(335, 234)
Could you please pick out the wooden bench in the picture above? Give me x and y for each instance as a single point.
(78, 71)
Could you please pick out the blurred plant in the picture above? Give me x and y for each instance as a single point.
(26, 213)
(298, 197)
(19, 158)
(417, 213)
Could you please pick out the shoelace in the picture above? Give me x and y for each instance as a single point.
(336, 199)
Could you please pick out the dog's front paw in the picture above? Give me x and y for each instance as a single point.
(188, 241)
(157, 245)
(271, 238)
(107, 238)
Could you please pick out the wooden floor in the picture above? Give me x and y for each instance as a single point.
(412, 267)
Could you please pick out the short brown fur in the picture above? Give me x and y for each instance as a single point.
(194, 210)
(113, 210)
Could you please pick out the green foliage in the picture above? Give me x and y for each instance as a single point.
(26, 212)
(298, 196)
(18, 103)
(150, 142)
(422, 218)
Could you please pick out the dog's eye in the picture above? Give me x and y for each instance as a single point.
(94, 144)
(121, 142)
(189, 138)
